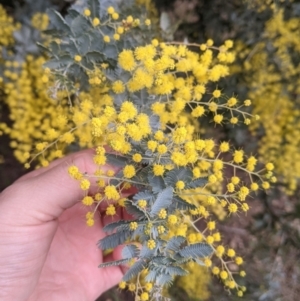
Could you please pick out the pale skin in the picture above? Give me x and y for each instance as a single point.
(47, 252)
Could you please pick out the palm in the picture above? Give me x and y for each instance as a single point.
(72, 262)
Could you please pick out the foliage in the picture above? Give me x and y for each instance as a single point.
(266, 71)
(110, 85)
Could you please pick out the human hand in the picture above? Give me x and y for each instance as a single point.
(46, 250)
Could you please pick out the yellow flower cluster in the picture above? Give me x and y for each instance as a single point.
(40, 21)
(183, 84)
(95, 121)
(274, 86)
(113, 21)
(26, 86)
(196, 282)
(7, 27)
(145, 287)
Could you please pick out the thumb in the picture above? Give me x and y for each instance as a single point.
(44, 197)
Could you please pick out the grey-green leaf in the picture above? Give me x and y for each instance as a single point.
(133, 209)
(164, 280)
(152, 275)
(174, 243)
(178, 174)
(146, 252)
(130, 251)
(54, 33)
(157, 183)
(113, 263)
(43, 48)
(113, 226)
(71, 15)
(113, 240)
(144, 195)
(154, 123)
(199, 182)
(58, 21)
(116, 160)
(175, 271)
(94, 7)
(163, 200)
(80, 26)
(111, 51)
(134, 270)
(181, 204)
(142, 175)
(61, 62)
(83, 44)
(158, 261)
(196, 250)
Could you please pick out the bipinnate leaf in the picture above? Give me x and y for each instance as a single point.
(86, 64)
(164, 280)
(70, 48)
(181, 260)
(113, 226)
(58, 21)
(134, 270)
(196, 250)
(181, 204)
(104, 4)
(175, 271)
(43, 48)
(164, 274)
(97, 43)
(154, 233)
(133, 209)
(163, 200)
(138, 233)
(113, 240)
(154, 123)
(95, 57)
(144, 195)
(94, 7)
(174, 243)
(146, 253)
(72, 15)
(199, 182)
(142, 175)
(80, 26)
(124, 227)
(158, 261)
(178, 174)
(55, 48)
(113, 263)
(110, 51)
(157, 183)
(200, 262)
(165, 160)
(59, 63)
(130, 251)
(83, 45)
(152, 275)
(112, 158)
